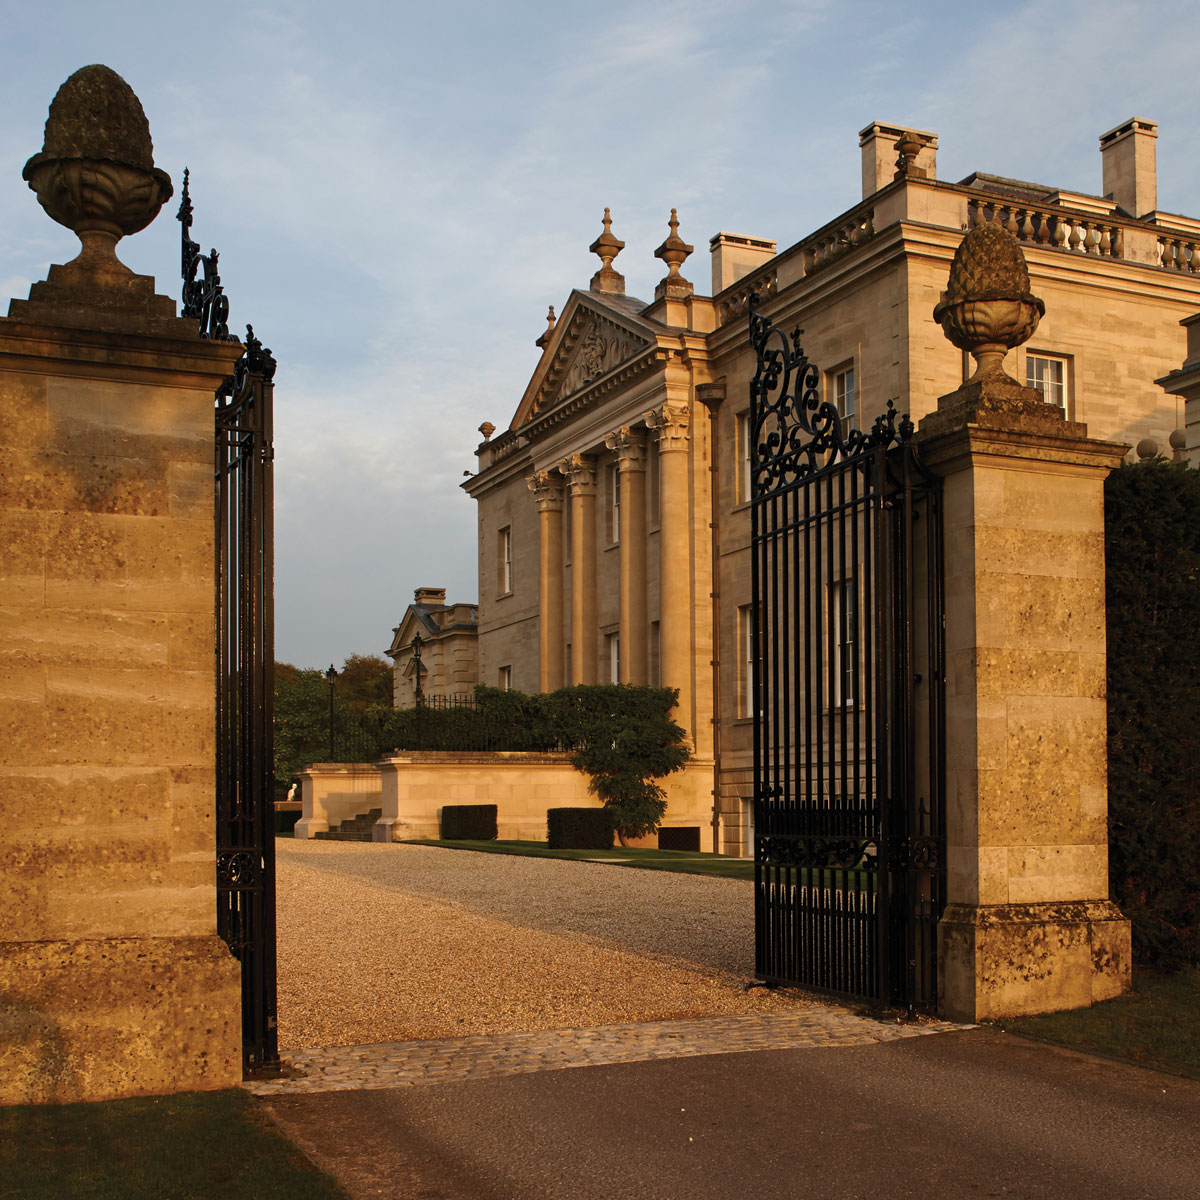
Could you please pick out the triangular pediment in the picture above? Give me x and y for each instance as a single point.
(402, 636)
(592, 338)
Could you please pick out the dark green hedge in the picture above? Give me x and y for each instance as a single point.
(285, 820)
(579, 829)
(470, 822)
(1152, 561)
(679, 837)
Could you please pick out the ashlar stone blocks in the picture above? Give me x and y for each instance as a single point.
(1029, 926)
(113, 981)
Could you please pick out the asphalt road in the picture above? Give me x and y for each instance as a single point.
(970, 1114)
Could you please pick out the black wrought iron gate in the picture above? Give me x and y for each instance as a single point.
(848, 691)
(245, 654)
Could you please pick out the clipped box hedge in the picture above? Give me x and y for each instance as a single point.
(679, 837)
(579, 829)
(468, 822)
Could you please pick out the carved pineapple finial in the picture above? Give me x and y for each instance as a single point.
(673, 252)
(987, 307)
(607, 279)
(95, 173)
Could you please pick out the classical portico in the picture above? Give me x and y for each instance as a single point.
(602, 446)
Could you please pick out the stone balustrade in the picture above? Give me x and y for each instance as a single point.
(816, 252)
(1032, 224)
(835, 240)
(1050, 226)
(734, 302)
(1179, 253)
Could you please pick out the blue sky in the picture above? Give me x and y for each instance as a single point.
(399, 190)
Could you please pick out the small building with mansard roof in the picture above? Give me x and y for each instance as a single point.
(435, 643)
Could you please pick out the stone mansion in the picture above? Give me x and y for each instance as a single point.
(614, 520)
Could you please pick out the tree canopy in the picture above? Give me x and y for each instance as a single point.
(363, 685)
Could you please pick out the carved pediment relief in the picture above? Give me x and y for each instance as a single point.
(591, 347)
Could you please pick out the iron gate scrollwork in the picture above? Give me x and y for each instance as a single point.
(245, 654)
(848, 687)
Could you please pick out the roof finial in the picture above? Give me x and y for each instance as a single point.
(673, 252)
(607, 247)
(908, 146)
(544, 340)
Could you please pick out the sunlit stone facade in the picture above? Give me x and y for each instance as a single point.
(614, 520)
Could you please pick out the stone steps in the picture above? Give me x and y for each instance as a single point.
(357, 829)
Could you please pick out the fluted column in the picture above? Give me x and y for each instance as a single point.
(547, 490)
(670, 423)
(630, 447)
(580, 470)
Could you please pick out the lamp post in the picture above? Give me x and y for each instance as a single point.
(330, 676)
(417, 643)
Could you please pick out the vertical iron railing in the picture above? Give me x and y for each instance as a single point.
(847, 686)
(245, 694)
(245, 654)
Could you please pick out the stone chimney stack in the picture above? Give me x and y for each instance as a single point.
(734, 256)
(878, 142)
(1130, 175)
(429, 595)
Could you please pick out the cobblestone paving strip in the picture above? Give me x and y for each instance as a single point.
(405, 1064)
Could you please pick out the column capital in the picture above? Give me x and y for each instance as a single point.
(547, 489)
(630, 447)
(670, 423)
(580, 472)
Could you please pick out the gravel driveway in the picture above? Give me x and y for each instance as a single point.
(385, 942)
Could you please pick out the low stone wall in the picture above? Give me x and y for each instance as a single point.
(522, 786)
(331, 793)
(411, 789)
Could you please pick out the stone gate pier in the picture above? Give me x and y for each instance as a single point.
(1028, 926)
(113, 981)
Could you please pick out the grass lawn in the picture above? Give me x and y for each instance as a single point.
(194, 1146)
(685, 861)
(1157, 1024)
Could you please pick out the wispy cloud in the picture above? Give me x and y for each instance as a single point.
(399, 192)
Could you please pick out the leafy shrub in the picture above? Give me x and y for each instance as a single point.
(624, 738)
(579, 829)
(469, 822)
(1152, 559)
